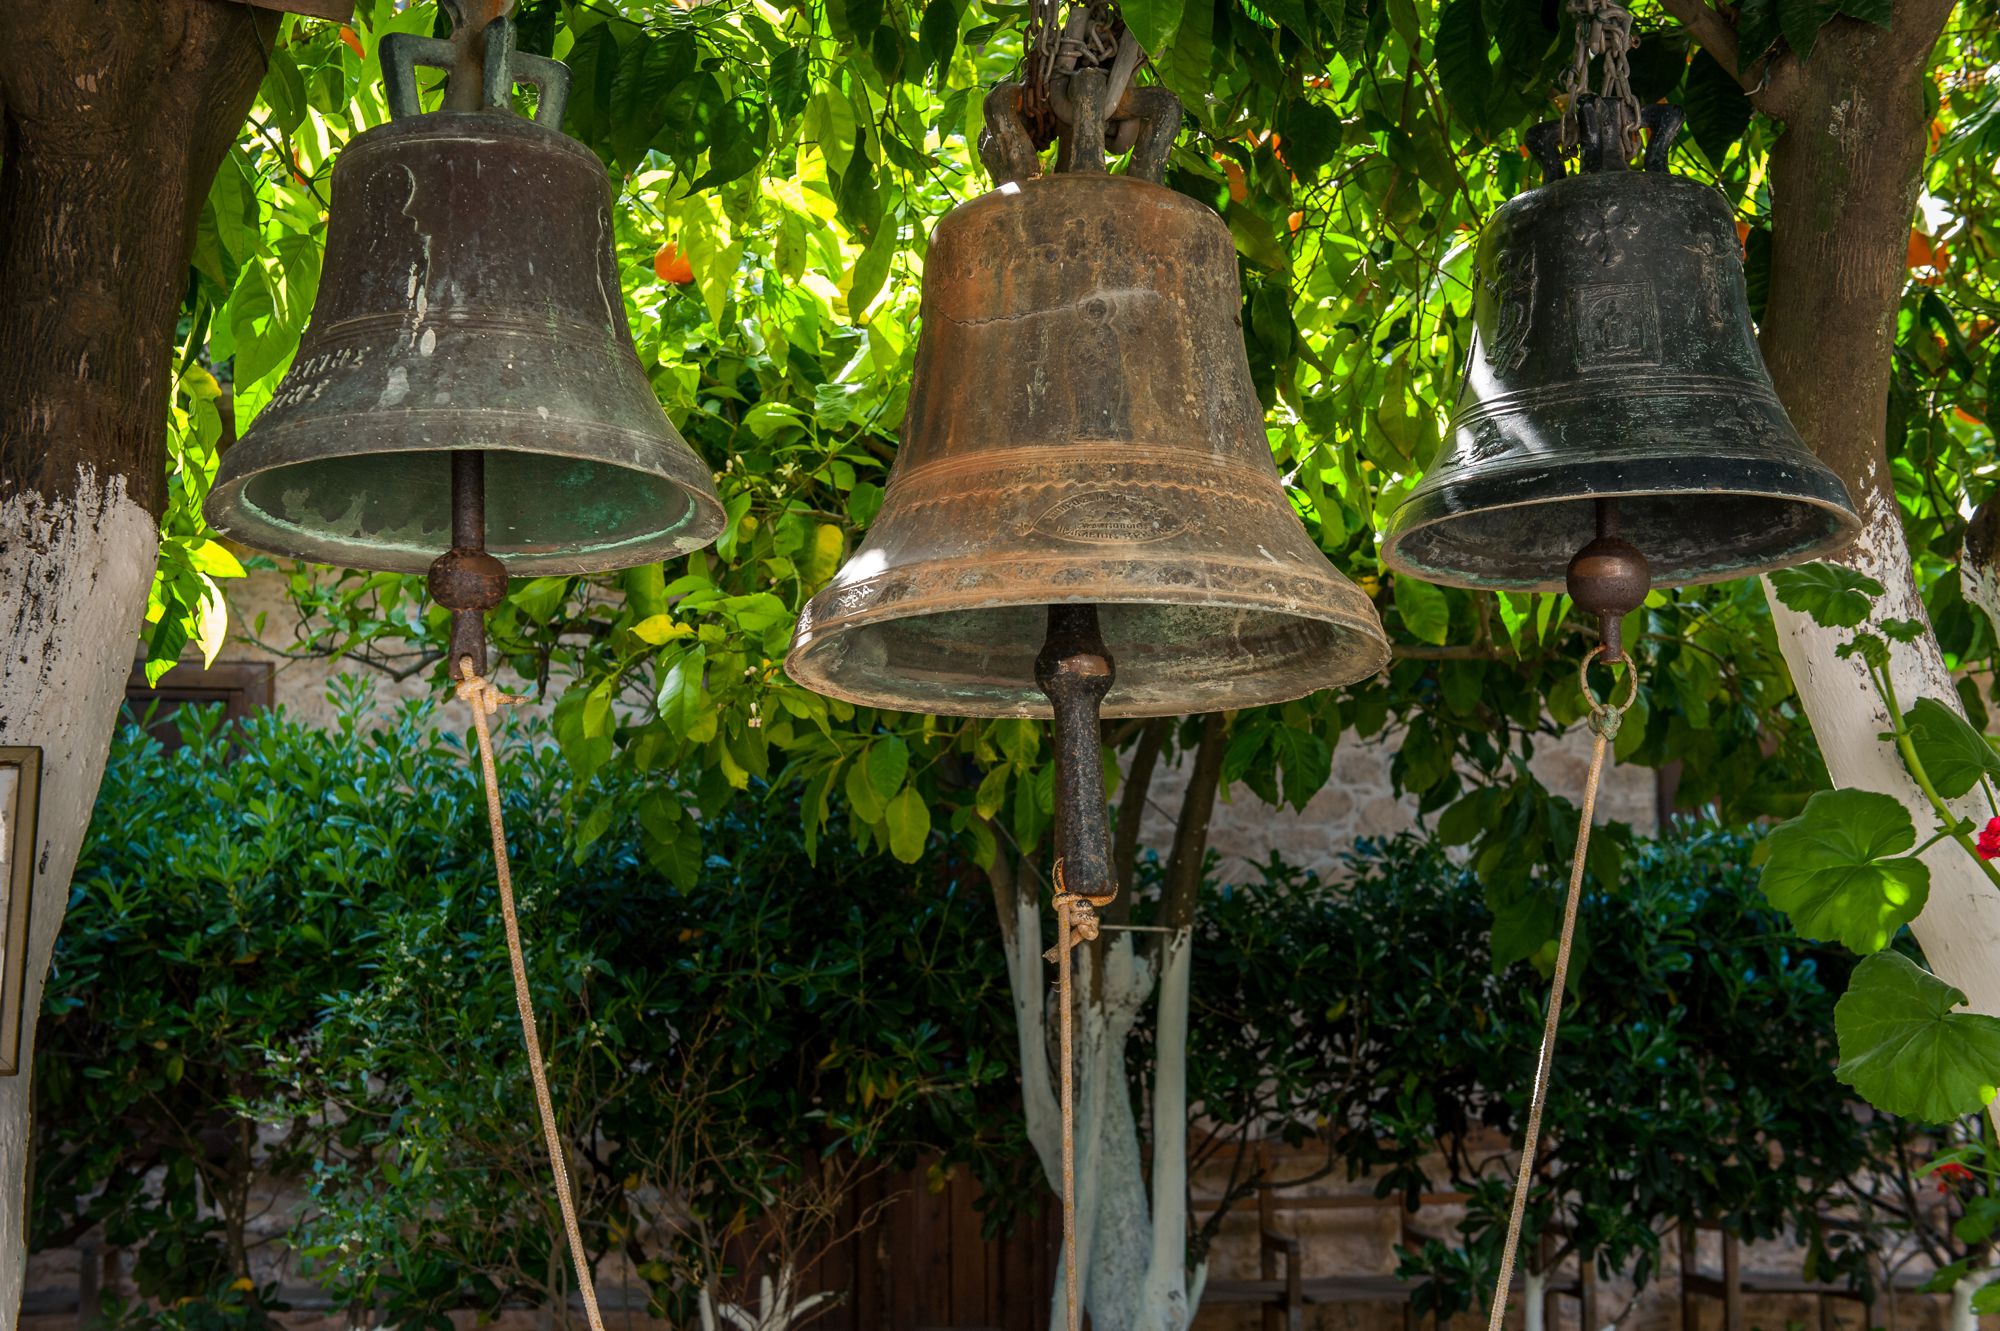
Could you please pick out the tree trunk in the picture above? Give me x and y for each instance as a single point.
(1131, 1225)
(116, 115)
(1844, 181)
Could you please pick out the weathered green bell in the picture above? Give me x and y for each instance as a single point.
(1613, 358)
(470, 304)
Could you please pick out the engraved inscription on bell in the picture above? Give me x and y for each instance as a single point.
(1617, 323)
(1110, 517)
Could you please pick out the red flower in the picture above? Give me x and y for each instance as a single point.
(1952, 1174)
(1989, 840)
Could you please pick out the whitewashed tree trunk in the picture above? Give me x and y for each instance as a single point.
(73, 579)
(1534, 1284)
(115, 115)
(1959, 928)
(1961, 1317)
(1132, 1243)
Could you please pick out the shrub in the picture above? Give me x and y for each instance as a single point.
(283, 959)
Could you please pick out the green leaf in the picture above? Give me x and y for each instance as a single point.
(1954, 755)
(992, 792)
(909, 825)
(1256, 240)
(1462, 64)
(1986, 1299)
(1838, 871)
(862, 797)
(887, 762)
(1718, 110)
(1905, 1049)
(659, 629)
(1426, 613)
(1311, 136)
(1152, 21)
(1835, 597)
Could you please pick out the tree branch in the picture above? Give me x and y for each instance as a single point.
(1403, 651)
(1770, 85)
(1184, 863)
(1132, 808)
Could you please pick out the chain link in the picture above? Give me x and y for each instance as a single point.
(1091, 35)
(1603, 28)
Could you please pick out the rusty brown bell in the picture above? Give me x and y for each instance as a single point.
(1082, 430)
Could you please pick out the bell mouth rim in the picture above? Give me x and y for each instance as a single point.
(1424, 509)
(1359, 626)
(253, 526)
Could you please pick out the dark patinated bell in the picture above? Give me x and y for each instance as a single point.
(470, 301)
(1613, 357)
(1082, 430)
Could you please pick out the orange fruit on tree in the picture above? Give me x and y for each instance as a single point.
(671, 266)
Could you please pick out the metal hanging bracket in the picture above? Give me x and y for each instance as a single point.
(1146, 120)
(483, 69)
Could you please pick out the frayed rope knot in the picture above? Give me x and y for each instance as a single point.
(480, 693)
(1078, 910)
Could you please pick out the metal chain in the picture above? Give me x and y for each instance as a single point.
(1603, 28)
(1091, 35)
(1604, 720)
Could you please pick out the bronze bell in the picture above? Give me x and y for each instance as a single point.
(1613, 359)
(1082, 430)
(470, 303)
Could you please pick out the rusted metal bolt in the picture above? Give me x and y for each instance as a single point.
(467, 580)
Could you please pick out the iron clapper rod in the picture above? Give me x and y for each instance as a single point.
(1075, 670)
(466, 580)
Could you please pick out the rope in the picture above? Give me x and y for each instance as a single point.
(1604, 720)
(1076, 922)
(485, 700)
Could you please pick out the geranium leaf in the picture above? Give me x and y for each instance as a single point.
(1905, 1049)
(1838, 869)
(1835, 597)
(1954, 755)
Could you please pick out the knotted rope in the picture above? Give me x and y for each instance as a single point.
(1076, 922)
(1604, 720)
(485, 699)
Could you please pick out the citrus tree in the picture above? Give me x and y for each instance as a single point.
(779, 168)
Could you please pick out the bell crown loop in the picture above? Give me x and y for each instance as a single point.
(491, 55)
(1150, 118)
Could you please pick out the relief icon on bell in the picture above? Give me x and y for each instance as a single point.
(1082, 430)
(1613, 358)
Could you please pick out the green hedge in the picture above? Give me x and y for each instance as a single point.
(282, 960)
